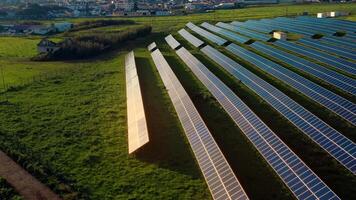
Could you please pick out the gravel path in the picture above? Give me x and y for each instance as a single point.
(23, 182)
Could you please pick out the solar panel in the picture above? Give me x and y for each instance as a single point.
(332, 101)
(320, 132)
(330, 27)
(343, 82)
(300, 29)
(216, 39)
(328, 48)
(239, 29)
(193, 40)
(172, 42)
(348, 150)
(226, 33)
(218, 174)
(261, 29)
(314, 28)
(151, 46)
(335, 23)
(333, 61)
(295, 174)
(136, 120)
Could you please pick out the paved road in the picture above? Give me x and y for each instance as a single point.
(23, 182)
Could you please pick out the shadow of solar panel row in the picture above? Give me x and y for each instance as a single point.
(243, 31)
(136, 120)
(226, 33)
(338, 24)
(172, 42)
(220, 178)
(333, 102)
(328, 99)
(329, 30)
(343, 82)
(337, 145)
(333, 61)
(207, 34)
(188, 36)
(333, 40)
(300, 179)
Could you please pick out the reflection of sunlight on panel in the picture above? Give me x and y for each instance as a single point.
(172, 42)
(214, 38)
(188, 36)
(291, 169)
(217, 172)
(137, 126)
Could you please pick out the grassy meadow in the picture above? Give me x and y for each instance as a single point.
(65, 121)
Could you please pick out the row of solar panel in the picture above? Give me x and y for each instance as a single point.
(328, 138)
(267, 28)
(301, 28)
(218, 174)
(136, 120)
(343, 82)
(326, 98)
(296, 175)
(309, 52)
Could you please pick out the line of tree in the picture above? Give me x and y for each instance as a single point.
(99, 23)
(86, 46)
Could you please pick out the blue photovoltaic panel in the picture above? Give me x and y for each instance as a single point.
(333, 102)
(333, 40)
(333, 61)
(315, 28)
(329, 27)
(218, 174)
(343, 82)
(339, 25)
(226, 33)
(326, 30)
(295, 174)
(261, 29)
(193, 40)
(216, 39)
(312, 126)
(323, 47)
(243, 31)
(172, 42)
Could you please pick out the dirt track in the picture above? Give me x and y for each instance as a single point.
(23, 182)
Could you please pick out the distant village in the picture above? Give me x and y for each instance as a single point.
(51, 9)
(45, 9)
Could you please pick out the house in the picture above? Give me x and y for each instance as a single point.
(47, 46)
(280, 35)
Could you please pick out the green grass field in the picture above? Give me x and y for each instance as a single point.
(66, 121)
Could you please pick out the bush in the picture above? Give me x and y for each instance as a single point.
(87, 46)
(99, 23)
